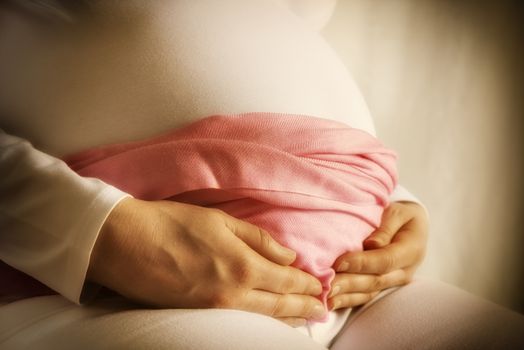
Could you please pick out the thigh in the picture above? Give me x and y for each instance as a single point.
(432, 315)
(52, 322)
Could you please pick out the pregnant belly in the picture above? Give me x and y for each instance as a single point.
(131, 71)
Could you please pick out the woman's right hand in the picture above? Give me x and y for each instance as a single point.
(176, 255)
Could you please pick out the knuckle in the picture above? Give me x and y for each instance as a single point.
(308, 309)
(382, 231)
(346, 300)
(355, 301)
(335, 303)
(288, 282)
(385, 234)
(276, 308)
(364, 298)
(221, 299)
(397, 211)
(355, 262)
(265, 238)
(377, 284)
(371, 296)
(214, 215)
(359, 262)
(243, 274)
(388, 264)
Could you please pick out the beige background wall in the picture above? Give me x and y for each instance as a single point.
(443, 80)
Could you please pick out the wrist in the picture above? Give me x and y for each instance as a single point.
(108, 242)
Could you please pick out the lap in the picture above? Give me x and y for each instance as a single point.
(431, 315)
(52, 322)
(422, 315)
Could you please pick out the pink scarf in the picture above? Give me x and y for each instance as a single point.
(318, 186)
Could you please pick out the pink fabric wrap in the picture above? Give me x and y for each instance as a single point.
(317, 186)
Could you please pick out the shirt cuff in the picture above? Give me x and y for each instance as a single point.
(401, 194)
(50, 217)
(81, 291)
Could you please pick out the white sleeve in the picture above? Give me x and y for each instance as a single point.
(400, 194)
(49, 216)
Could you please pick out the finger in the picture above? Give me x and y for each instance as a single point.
(344, 283)
(261, 241)
(393, 218)
(285, 279)
(350, 300)
(283, 305)
(379, 261)
(406, 249)
(293, 321)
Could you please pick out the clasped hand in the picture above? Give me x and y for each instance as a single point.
(174, 255)
(390, 258)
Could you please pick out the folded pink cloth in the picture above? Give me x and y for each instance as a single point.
(317, 186)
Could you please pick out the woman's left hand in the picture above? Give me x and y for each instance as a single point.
(391, 255)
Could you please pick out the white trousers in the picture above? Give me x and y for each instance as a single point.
(422, 315)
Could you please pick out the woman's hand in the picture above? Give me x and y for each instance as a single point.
(392, 254)
(176, 255)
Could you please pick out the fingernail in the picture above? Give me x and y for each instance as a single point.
(374, 243)
(343, 266)
(290, 254)
(288, 251)
(318, 311)
(317, 290)
(334, 291)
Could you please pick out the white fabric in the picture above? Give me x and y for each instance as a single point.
(154, 66)
(49, 216)
(425, 315)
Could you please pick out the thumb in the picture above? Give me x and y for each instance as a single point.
(261, 241)
(393, 219)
